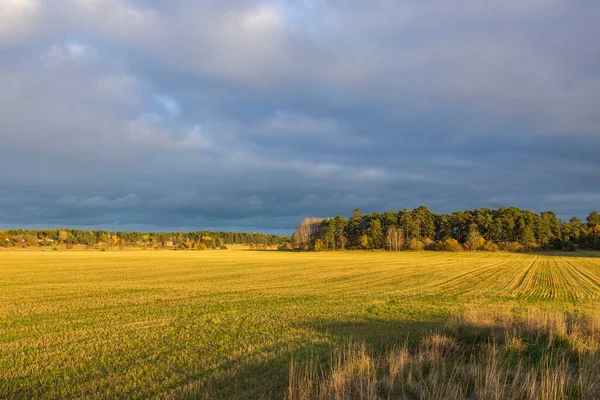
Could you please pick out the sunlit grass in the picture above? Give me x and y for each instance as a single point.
(227, 324)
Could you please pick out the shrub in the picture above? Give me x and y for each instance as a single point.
(514, 247)
(449, 245)
(319, 245)
(569, 246)
(429, 244)
(366, 242)
(416, 245)
(490, 246)
(286, 246)
(475, 243)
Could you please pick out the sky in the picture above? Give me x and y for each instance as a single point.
(250, 115)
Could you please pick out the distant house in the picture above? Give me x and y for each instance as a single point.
(168, 243)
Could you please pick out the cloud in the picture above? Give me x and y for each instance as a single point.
(562, 198)
(111, 17)
(169, 104)
(18, 18)
(129, 200)
(298, 125)
(251, 115)
(68, 52)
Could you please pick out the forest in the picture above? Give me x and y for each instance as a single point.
(484, 229)
(199, 240)
(505, 228)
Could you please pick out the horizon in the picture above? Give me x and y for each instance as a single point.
(280, 232)
(127, 116)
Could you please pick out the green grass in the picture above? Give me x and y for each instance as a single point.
(226, 324)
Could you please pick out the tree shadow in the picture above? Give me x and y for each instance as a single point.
(252, 378)
(376, 332)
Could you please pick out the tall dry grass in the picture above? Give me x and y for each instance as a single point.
(478, 355)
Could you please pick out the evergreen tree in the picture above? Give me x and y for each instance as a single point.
(376, 234)
(423, 218)
(408, 226)
(528, 239)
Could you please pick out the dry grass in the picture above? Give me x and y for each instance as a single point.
(476, 356)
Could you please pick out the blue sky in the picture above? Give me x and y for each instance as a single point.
(250, 115)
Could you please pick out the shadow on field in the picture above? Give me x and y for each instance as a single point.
(380, 333)
(268, 378)
(476, 355)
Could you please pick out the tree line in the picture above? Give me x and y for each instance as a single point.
(505, 228)
(97, 238)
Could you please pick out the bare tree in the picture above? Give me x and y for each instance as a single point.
(305, 232)
(394, 239)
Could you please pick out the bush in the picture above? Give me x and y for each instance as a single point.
(429, 244)
(223, 247)
(366, 242)
(490, 246)
(514, 247)
(449, 245)
(475, 243)
(286, 246)
(319, 245)
(416, 245)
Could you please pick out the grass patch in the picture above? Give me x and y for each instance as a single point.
(228, 324)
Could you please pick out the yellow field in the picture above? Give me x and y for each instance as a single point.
(223, 324)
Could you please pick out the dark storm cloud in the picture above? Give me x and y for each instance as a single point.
(252, 115)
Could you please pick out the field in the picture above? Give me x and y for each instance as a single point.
(246, 324)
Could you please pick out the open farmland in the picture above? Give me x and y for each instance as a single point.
(227, 324)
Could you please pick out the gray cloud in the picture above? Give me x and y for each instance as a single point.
(251, 115)
(130, 200)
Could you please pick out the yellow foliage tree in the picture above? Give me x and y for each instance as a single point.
(319, 245)
(416, 245)
(63, 236)
(366, 242)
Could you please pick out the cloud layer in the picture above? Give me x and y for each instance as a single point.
(250, 115)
